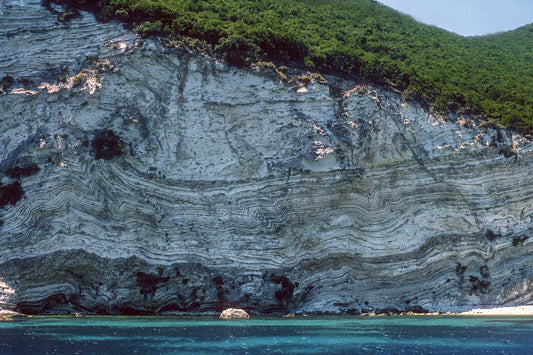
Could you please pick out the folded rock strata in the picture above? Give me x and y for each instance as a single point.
(162, 181)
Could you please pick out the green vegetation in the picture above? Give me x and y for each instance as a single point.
(5, 83)
(491, 75)
(78, 80)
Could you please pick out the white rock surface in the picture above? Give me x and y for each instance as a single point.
(501, 311)
(235, 189)
(234, 313)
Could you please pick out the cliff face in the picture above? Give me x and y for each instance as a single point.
(160, 181)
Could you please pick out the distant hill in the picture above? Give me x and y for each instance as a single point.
(490, 75)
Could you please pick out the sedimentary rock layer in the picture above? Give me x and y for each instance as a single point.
(163, 181)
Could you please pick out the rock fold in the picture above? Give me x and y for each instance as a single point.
(164, 182)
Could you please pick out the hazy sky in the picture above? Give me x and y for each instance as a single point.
(468, 17)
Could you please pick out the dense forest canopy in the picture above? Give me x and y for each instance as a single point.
(491, 75)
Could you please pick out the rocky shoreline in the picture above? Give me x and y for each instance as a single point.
(527, 311)
(6, 315)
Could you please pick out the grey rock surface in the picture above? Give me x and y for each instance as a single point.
(162, 181)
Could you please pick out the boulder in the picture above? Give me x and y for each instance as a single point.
(234, 313)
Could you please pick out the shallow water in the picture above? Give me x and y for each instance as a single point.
(301, 335)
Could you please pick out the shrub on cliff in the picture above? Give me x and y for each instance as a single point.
(78, 80)
(156, 28)
(238, 50)
(490, 75)
(5, 83)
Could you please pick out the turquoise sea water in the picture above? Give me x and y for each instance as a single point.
(268, 335)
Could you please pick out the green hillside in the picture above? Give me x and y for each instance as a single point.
(491, 75)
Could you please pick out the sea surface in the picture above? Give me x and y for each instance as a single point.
(268, 335)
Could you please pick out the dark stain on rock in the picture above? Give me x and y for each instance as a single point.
(484, 271)
(130, 310)
(416, 309)
(22, 171)
(218, 281)
(149, 283)
(107, 145)
(507, 152)
(519, 240)
(47, 306)
(287, 288)
(460, 272)
(480, 285)
(491, 235)
(10, 194)
(391, 310)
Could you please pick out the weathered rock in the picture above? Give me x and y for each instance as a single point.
(218, 186)
(7, 315)
(7, 297)
(234, 313)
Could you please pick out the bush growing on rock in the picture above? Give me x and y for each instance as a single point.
(238, 50)
(359, 38)
(78, 80)
(67, 16)
(7, 81)
(122, 14)
(156, 28)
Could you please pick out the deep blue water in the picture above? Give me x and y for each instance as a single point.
(300, 335)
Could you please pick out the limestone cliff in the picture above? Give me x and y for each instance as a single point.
(138, 178)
